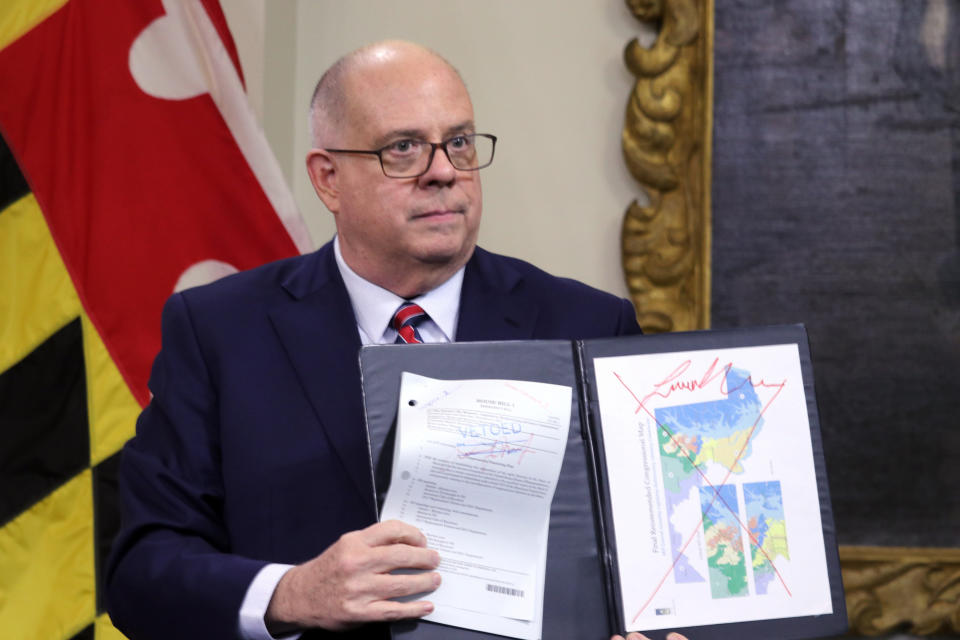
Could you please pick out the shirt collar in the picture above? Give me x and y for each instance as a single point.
(374, 306)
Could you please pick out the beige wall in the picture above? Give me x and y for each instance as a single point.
(546, 78)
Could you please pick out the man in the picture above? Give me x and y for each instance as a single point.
(246, 492)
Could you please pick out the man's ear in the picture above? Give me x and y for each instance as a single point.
(322, 169)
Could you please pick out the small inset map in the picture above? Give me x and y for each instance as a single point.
(768, 530)
(721, 531)
(704, 440)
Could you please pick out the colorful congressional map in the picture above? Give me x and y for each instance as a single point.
(709, 440)
(721, 533)
(768, 530)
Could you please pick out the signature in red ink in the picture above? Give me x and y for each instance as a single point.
(675, 381)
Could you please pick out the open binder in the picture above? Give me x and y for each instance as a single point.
(588, 567)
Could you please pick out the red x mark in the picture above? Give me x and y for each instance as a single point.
(664, 389)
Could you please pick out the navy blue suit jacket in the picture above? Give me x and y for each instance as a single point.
(253, 450)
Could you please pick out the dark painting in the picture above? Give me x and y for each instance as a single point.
(836, 203)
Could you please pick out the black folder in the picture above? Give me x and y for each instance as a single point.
(582, 597)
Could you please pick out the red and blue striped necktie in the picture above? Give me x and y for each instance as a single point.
(405, 321)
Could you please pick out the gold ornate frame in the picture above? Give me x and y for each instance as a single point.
(895, 589)
(666, 261)
(666, 144)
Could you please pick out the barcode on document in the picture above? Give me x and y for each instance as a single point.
(507, 591)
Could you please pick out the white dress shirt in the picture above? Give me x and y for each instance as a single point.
(373, 307)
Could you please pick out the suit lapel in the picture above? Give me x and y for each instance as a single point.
(492, 304)
(319, 332)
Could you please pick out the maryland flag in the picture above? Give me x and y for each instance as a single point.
(130, 166)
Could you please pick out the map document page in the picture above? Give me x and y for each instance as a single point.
(713, 487)
(475, 467)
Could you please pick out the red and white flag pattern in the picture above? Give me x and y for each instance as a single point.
(130, 122)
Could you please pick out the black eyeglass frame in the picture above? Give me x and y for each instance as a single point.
(433, 151)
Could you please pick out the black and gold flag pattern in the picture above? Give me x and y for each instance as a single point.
(64, 414)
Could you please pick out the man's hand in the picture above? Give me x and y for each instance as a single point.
(350, 583)
(640, 636)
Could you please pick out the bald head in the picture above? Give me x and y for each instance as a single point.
(330, 106)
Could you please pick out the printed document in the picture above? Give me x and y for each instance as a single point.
(475, 466)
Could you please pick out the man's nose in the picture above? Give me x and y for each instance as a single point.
(440, 171)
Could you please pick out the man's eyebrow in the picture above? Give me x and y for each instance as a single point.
(467, 126)
(398, 134)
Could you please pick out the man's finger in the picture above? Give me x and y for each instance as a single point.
(393, 532)
(384, 559)
(398, 585)
(392, 610)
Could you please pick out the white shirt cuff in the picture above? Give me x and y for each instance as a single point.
(255, 603)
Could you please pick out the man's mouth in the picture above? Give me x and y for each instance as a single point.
(438, 214)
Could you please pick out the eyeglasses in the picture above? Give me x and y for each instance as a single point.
(411, 158)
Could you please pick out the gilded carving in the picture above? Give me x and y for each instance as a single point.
(666, 145)
(895, 589)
